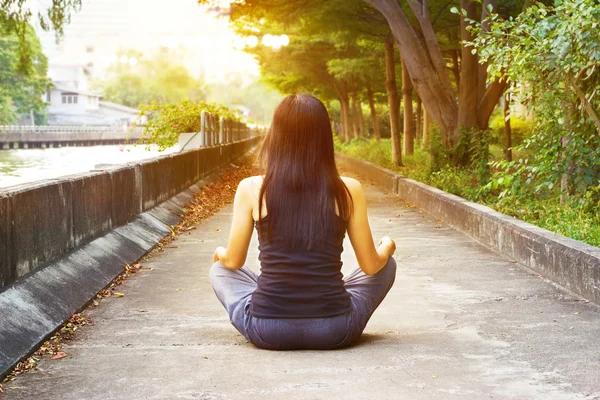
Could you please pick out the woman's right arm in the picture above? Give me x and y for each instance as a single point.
(370, 259)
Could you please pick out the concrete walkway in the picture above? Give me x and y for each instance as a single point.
(461, 323)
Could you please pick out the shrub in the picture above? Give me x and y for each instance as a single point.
(521, 129)
(167, 121)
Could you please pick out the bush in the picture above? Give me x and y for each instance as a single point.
(167, 121)
(578, 219)
(521, 129)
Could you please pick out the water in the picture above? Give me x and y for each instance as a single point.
(29, 165)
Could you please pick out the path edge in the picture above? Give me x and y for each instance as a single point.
(39, 303)
(572, 264)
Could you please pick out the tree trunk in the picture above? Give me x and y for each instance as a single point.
(354, 117)
(507, 129)
(429, 74)
(428, 80)
(482, 68)
(374, 120)
(409, 122)
(564, 180)
(455, 67)
(468, 98)
(345, 107)
(566, 177)
(425, 143)
(394, 104)
(361, 119)
(419, 125)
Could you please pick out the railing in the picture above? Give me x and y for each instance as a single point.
(215, 130)
(63, 129)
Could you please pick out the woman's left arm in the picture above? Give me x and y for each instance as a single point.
(234, 256)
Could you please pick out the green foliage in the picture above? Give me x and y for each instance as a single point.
(15, 19)
(554, 52)
(260, 100)
(21, 91)
(377, 152)
(151, 79)
(8, 115)
(167, 121)
(571, 220)
(521, 129)
(578, 219)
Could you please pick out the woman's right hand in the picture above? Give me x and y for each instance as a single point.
(388, 244)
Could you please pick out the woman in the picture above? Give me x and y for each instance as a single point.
(301, 209)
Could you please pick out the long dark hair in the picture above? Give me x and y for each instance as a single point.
(302, 185)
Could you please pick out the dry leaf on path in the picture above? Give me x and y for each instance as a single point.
(59, 355)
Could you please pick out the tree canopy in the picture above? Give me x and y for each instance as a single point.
(21, 91)
(135, 79)
(16, 19)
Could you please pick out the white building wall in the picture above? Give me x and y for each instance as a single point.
(58, 107)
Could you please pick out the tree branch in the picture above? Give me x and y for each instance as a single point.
(490, 99)
(421, 11)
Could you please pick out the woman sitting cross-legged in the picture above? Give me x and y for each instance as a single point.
(302, 209)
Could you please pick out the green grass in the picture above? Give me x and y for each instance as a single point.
(570, 220)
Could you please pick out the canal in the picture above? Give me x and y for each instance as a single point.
(29, 165)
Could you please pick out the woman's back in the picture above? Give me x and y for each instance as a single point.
(302, 209)
(299, 283)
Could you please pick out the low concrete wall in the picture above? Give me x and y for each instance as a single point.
(92, 136)
(47, 219)
(572, 264)
(63, 240)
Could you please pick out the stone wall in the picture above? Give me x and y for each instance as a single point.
(569, 263)
(43, 221)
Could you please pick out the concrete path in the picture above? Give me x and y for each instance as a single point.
(461, 323)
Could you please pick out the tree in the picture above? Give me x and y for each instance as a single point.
(552, 54)
(145, 80)
(422, 54)
(15, 18)
(21, 91)
(349, 60)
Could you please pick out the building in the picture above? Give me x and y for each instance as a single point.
(70, 102)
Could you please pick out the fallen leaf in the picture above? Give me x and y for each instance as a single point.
(576, 313)
(118, 294)
(434, 376)
(59, 355)
(96, 304)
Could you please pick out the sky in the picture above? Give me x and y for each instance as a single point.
(103, 27)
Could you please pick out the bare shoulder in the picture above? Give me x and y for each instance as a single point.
(352, 184)
(251, 185)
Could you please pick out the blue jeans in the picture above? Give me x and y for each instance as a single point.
(234, 290)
